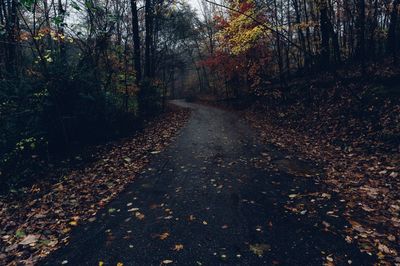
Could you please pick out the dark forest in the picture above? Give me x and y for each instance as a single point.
(201, 132)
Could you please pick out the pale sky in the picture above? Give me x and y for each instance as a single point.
(195, 4)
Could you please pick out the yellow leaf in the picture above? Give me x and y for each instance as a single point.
(101, 263)
(73, 223)
(259, 249)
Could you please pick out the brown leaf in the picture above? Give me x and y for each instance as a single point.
(164, 236)
(29, 240)
(139, 215)
(178, 247)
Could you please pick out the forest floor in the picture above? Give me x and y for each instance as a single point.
(219, 194)
(351, 128)
(367, 185)
(39, 219)
(216, 196)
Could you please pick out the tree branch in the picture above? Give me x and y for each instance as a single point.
(262, 24)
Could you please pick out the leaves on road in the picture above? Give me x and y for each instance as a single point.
(139, 216)
(163, 236)
(40, 219)
(360, 170)
(259, 249)
(178, 247)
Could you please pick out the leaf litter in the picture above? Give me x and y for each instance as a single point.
(362, 171)
(38, 221)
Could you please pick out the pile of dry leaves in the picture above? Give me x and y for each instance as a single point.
(360, 163)
(37, 222)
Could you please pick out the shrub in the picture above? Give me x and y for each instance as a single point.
(43, 118)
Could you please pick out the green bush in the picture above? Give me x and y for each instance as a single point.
(43, 118)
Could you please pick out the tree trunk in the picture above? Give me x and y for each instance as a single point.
(360, 53)
(301, 34)
(308, 34)
(11, 31)
(324, 25)
(372, 29)
(136, 43)
(148, 38)
(279, 47)
(392, 34)
(61, 12)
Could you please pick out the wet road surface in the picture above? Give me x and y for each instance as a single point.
(209, 200)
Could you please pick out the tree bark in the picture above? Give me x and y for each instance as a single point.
(148, 38)
(360, 53)
(392, 34)
(324, 26)
(11, 32)
(137, 61)
(301, 34)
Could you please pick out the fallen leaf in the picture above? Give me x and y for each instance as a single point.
(66, 230)
(164, 236)
(73, 223)
(52, 243)
(326, 195)
(29, 240)
(11, 248)
(259, 249)
(178, 247)
(139, 216)
(391, 238)
(20, 233)
(384, 249)
(394, 175)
